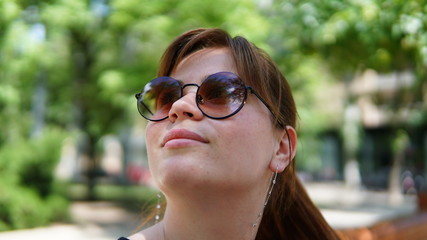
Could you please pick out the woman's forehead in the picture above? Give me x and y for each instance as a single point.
(203, 63)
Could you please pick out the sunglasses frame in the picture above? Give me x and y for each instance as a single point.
(247, 88)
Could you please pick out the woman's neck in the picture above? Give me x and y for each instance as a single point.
(229, 219)
(211, 215)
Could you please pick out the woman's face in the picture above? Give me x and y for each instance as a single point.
(189, 151)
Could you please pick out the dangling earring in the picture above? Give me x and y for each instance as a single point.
(158, 206)
(273, 182)
(269, 191)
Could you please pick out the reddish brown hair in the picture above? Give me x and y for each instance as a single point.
(290, 214)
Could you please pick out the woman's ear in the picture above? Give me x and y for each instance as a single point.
(285, 150)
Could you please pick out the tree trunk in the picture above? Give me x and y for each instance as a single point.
(351, 137)
(82, 62)
(394, 189)
(39, 105)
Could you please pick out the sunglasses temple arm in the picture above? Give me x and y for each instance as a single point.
(137, 97)
(261, 99)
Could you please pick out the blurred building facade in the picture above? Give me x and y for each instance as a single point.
(383, 132)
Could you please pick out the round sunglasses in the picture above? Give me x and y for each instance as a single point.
(221, 95)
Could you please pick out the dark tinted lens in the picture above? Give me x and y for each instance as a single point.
(157, 98)
(221, 94)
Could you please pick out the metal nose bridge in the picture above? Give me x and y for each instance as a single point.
(190, 84)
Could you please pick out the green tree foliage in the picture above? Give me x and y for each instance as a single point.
(28, 195)
(383, 35)
(351, 36)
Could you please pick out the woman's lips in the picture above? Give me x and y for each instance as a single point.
(181, 134)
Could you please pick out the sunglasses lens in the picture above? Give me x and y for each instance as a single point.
(221, 95)
(157, 98)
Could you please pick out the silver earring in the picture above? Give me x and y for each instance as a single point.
(273, 182)
(269, 191)
(158, 206)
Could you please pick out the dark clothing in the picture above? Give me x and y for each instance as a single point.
(122, 238)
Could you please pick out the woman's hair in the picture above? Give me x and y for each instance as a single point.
(290, 214)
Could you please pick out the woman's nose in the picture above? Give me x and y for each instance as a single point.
(185, 107)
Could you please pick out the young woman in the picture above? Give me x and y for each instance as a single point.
(221, 141)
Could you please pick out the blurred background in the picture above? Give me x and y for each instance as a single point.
(72, 141)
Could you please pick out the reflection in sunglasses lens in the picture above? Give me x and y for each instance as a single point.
(157, 98)
(221, 95)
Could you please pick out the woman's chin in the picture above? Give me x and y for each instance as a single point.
(182, 174)
(188, 177)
